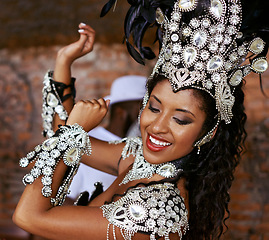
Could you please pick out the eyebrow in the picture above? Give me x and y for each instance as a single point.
(177, 109)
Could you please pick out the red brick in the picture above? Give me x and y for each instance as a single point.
(240, 227)
(249, 207)
(255, 237)
(266, 236)
(239, 196)
(263, 227)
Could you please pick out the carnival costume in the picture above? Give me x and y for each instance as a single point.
(207, 51)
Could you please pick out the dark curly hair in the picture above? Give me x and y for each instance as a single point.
(209, 175)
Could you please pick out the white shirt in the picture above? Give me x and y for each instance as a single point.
(86, 176)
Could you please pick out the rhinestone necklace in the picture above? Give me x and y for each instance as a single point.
(142, 169)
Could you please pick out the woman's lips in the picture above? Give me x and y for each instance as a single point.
(156, 145)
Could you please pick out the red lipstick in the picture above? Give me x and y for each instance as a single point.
(154, 147)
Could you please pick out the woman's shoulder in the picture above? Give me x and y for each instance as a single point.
(130, 147)
(155, 209)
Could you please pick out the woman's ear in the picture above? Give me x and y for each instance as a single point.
(214, 132)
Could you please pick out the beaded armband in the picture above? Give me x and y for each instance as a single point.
(69, 143)
(157, 210)
(53, 101)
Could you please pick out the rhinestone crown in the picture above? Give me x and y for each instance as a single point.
(208, 52)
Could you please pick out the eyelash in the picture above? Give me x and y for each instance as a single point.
(178, 121)
(181, 122)
(152, 109)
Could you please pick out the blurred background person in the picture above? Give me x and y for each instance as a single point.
(125, 100)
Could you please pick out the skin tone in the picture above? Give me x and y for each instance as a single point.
(170, 124)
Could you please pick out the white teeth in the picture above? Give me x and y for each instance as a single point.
(157, 142)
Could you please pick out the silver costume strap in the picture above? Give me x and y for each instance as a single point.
(132, 146)
(157, 210)
(52, 104)
(69, 143)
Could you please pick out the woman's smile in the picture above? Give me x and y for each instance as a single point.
(156, 144)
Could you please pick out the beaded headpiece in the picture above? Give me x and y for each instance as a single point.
(202, 45)
(204, 53)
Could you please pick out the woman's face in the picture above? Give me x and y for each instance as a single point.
(170, 123)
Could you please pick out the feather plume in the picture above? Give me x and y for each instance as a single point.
(107, 7)
(141, 16)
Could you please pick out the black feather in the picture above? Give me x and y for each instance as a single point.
(134, 53)
(131, 15)
(140, 16)
(255, 19)
(148, 53)
(107, 7)
(149, 14)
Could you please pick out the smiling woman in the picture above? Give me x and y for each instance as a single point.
(173, 182)
(171, 123)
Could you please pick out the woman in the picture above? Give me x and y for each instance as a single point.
(173, 182)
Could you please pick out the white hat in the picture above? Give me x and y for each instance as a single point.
(127, 88)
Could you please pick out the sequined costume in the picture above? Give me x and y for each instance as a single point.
(157, 210)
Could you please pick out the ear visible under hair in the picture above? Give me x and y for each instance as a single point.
(214, 132)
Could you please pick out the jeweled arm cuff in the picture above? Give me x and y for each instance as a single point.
(53, 101)
(69, 143)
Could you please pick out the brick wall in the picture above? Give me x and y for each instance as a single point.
(44, 23)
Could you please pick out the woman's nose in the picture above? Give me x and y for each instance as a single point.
(160, 124)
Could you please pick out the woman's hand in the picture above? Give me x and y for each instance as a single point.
(88, 114)
(84, 45)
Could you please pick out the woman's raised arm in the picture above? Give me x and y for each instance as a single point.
(65, 58)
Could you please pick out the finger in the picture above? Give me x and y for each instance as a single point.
(87, 27)
(81, 25)
(94, 102)
(103, 103)
(107, 103)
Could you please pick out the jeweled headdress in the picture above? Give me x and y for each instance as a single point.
(204, 44)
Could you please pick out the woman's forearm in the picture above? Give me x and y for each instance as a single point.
(33, 204)
(62, 73)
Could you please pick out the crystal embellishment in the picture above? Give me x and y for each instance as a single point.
(214, 63)
(236, 78)
(137, 212)
(216, 8)
(28, 179)
(187, 5)
(50, 143)
(24, 162)
(51, 104)
(71, 156)
(199, 39)
(189, 55)
(167, 170)
(52, 100)
(259, 65)
(257, 46)
(159, 16)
